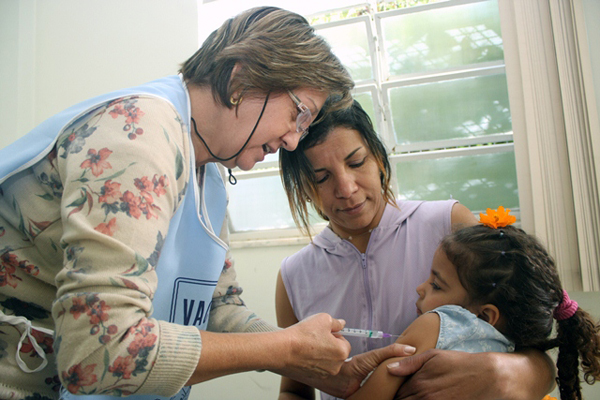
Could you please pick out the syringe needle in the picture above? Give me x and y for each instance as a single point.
(365, 333)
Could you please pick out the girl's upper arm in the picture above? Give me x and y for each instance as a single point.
(285, 313)
(421, 334)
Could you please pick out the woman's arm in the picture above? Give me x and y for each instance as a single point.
(462, 217)
(523, 375)
(122, 178)
(307, 349)
(422, 334)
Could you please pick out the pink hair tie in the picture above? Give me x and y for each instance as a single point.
(566, 308)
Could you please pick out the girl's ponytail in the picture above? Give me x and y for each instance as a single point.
(578, 336)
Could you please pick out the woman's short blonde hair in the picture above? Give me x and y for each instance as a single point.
(276, 50)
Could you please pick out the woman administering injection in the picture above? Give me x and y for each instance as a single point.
(365, 265)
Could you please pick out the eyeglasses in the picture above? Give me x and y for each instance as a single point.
(304, 116)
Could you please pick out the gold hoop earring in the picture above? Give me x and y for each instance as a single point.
(234, 101)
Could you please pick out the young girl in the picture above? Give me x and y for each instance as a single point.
(493, 287)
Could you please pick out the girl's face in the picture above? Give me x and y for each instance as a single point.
(348, 182)
(277, 127)
(443, 286)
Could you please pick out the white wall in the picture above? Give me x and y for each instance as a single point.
(57, 53)
(9, 51)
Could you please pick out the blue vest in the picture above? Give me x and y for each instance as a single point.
(193, 255)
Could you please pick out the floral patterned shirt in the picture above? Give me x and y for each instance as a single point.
(80, 235)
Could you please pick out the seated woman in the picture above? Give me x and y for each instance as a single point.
(363, 267)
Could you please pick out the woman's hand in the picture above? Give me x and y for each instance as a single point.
(444, 374)
(355, 370)
(314, 351)
(307, 350)
(447, 374)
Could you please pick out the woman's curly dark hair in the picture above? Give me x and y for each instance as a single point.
(510, 269)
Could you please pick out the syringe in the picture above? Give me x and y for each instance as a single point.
(365, 333)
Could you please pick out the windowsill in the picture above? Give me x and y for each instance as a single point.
(272, 237)
(250, 243)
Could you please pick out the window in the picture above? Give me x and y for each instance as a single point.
(431, 75)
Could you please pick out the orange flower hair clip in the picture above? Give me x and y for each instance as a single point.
(497, 218)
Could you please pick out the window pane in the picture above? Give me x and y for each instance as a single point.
(478, 181)
(268, 157)
(458, 108)
(350, 44)
(259, 203)
(366, 101)
(443, 38)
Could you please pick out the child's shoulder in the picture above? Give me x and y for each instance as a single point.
(422, 333)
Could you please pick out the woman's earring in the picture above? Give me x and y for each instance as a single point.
(234, 101)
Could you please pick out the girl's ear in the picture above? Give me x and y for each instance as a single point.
(489, 313)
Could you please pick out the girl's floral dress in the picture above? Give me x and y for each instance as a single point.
(80, 235)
